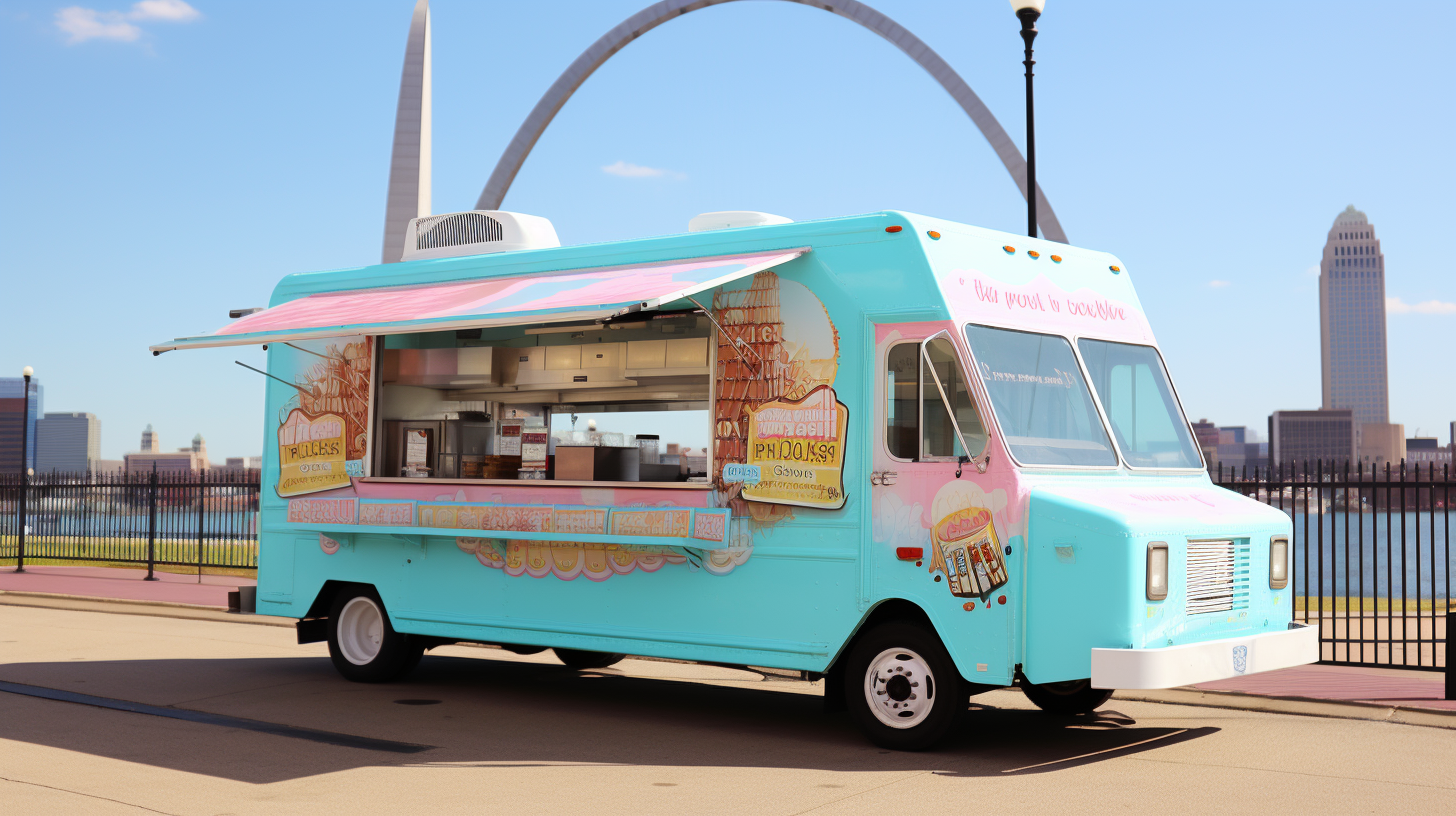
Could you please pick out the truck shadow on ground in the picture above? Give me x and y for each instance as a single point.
(483, 713)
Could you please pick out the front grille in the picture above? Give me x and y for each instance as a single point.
(1218, 576)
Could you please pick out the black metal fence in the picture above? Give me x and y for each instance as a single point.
(1371, 556)
(1371, 552)
(187, 519)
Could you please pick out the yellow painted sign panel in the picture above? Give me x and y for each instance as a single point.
(796, 451)
(311, 454)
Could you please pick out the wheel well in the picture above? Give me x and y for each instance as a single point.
(895, 609)
(324, 601)
(889, 609)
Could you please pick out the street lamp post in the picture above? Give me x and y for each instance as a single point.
(1028, 11)
(25, 374)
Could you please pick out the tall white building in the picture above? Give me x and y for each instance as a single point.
(1353, 367)
(1352, 320)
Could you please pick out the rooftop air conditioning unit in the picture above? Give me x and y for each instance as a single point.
(733, 219)
(475, 233)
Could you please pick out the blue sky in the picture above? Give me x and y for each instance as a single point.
(158, 167)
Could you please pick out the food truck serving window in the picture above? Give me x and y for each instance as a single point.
(1133, 385)
(625, 401)
(1040, 398)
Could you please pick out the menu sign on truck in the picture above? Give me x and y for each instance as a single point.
(798, 448)
(311, 453)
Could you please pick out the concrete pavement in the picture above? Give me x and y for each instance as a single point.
(513, 734)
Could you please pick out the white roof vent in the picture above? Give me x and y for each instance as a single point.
(732, 219)
(475, 233)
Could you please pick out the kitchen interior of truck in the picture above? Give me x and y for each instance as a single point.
(624, 400)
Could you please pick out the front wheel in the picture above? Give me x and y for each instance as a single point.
(1067, 698)
(362, 644)
(902, 688)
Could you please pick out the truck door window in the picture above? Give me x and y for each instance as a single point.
(951, 423)
(902, 398)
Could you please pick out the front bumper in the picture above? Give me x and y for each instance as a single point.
(1201, 662)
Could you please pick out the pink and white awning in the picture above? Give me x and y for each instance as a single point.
(550, 297)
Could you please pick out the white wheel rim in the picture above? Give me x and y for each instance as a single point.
(899, 688)
(361, 631)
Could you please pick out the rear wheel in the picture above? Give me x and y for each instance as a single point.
(362, 644)
(1067, 698)
(902, 688)
(580, 659)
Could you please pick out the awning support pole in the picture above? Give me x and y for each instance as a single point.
(733, 341)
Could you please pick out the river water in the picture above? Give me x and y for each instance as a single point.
(1360, 555)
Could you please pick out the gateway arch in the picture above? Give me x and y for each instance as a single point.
(409, 183)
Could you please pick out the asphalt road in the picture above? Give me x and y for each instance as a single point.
(482, 731)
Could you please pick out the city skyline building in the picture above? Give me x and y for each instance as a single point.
(242, 463)
(1309, 436)
(151, 443)
(1238, 447)
(67, 442)
(1427, 451)
(191, 459)
(1207, 435)
(12, 410)
(1353, 365)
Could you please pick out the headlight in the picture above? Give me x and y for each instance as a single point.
(1157, 571)
(1278, 562)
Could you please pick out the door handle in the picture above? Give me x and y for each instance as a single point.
(883, 477)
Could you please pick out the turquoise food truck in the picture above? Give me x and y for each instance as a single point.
(918, 459)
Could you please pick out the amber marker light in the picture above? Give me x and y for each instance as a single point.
(1056, 259)
(895, 228)
(1115, 269)
(1033, 253)
(934, 236)
(1010, 250)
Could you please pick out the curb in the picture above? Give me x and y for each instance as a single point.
(1302, 706)
(127, 606)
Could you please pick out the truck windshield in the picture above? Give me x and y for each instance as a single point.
(1040, 398)
(1133, 386)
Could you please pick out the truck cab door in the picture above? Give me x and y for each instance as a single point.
(938, 497)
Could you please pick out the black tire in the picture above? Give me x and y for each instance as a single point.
(580, 659)
(363, 645)
(1066, 699)
(893, 706)
(521, 648)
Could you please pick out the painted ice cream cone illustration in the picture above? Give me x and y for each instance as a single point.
(966, 546)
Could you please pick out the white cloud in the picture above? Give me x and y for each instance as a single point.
(1313, 271)
(1395, 305)
(82, 24)
(174, 11)
(1217, 284)
(630, 170)
(89, 24)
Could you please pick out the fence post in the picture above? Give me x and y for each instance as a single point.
(24, 490)
(1450, 671)
(201, 524)
(152, 525)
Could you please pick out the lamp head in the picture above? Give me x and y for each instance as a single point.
(1028, 10)
(27, 372)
